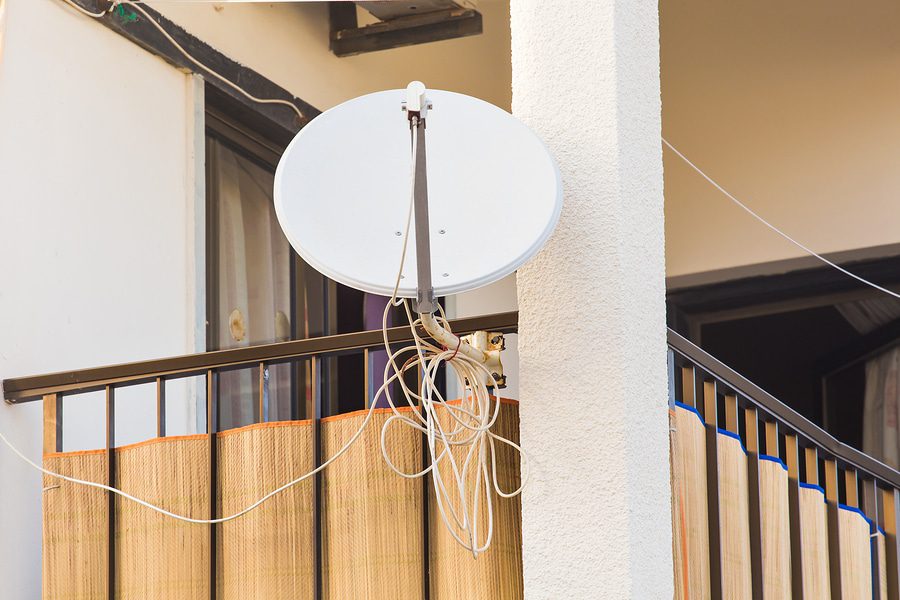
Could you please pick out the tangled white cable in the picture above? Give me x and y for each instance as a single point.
(466, 426)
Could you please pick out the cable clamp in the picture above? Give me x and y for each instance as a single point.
(491, 343)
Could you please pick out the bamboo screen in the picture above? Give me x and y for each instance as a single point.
(372, 520)
(839, 545)
(689, 506)
(775, 512)
(734, 516)
(814, 541)
(856, 554)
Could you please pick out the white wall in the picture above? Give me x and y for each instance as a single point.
(95, 198)
(592, 343)
(792, 106)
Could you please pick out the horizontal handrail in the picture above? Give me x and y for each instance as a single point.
(791, 420)
(26, 389)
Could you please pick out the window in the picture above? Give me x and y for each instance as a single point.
(259, 291)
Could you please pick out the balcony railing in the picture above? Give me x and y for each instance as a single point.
(749, 478)
(337, 511)
(765, 503)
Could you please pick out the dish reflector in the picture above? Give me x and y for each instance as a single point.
(342, 192)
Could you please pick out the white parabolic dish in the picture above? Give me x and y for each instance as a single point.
(342, 192)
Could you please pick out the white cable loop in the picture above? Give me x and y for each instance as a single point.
(468, 429)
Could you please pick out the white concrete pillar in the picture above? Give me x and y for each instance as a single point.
(593, 389)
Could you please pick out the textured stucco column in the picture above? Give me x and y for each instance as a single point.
(596, 516)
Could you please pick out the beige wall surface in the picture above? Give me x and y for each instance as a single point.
(288, 43)
(96, 200)
(791, 106)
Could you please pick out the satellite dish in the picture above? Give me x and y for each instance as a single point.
(342, 192)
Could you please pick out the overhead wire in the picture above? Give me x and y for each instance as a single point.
(777, 230)
(136, 7)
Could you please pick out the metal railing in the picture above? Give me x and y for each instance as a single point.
(52, 388)
(768, 427)
(721, 396)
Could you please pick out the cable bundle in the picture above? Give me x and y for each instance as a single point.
(465, 426)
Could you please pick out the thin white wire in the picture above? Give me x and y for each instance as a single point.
(180, 48)
(753, 214)
(85, 11)
(167, 513)
(384, 388)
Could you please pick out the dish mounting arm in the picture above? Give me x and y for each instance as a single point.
(417, 107)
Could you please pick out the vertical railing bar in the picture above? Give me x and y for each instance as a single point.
(712, 483)
(834, 537)
(318, 569)
(870, 507)
(851, 488)
(731, 413)
(53, 416)
(212, 427)
(687, 386)
(296, 367)
(891, 511)
(110, 497)
(670, 370)
(160, 407)
(792, 459)
(772, 439)
(426, 519)
(751, 426)
(261, 401)
(366, 376)
(811, 456)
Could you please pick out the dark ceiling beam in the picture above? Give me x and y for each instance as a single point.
(347, 38)
(133, 26)
(765, 289)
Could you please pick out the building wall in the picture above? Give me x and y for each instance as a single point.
(793, 108)
(95, 178)
(101, 201)
(288, 43)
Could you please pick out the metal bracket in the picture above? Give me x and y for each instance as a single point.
(491, 343)
(416, 107)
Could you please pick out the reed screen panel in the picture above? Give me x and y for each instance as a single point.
(372, 522)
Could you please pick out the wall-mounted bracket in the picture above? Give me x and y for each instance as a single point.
(492, 343)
